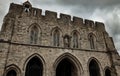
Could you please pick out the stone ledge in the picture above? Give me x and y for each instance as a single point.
(13, 43)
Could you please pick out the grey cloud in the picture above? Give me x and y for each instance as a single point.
(112, 23)
(43, 2)
(114, 27)
(3, 9)
(89, 2)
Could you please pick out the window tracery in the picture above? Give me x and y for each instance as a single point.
(56, 38)
(34, 35)
(92, 41)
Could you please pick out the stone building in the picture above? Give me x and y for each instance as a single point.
(32, 44)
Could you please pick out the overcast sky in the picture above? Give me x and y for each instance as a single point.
(107, 11)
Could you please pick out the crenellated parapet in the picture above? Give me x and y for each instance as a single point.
(49, 15)
(77, 21)
(29, 11)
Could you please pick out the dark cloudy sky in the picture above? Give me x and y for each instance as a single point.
(107, 11)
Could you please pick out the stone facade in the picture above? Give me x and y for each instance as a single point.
(17, 49)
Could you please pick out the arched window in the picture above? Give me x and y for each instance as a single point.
(34, 35)
(94, 69)
(34, 67)
(56, 38)
(107, 72)
(11, 73)
(66, 68)
(91, 40)
(75, 40)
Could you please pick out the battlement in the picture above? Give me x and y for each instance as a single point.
(49, 15)
(89, 23)
(53, 16)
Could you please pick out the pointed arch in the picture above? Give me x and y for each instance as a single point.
(56, 28)
(92, 40)
(34, 65)
(31, 56)
(107, 71)
(67, 61)
(56, 38)
(75, 38)
(94, 67)
(34, 33)
(11, 73)
(56, 35)
(12, 70)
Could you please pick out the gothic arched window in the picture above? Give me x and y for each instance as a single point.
(34, 35)
(91, 40)
(56, 38)
(75, 40)
(11, 73)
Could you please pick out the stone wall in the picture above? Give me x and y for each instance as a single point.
(19, 55)
(16, 50)
(18, 23)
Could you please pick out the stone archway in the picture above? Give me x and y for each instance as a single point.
(66, 68)
(12, 70)
(107, 72)
(94, 69)
(67, 65)
(11, 73)
(34, 67)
